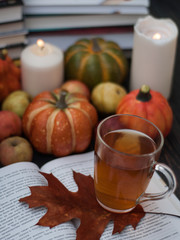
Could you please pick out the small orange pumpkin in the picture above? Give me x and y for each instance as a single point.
(148, 104)
(59, 122)
(9, 76)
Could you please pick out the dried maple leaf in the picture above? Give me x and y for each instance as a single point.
(64, 205)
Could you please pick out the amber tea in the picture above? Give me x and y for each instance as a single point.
(118, 184)
(127, 149)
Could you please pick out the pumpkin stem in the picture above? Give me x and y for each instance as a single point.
(96, 47)
(144, 94)
(3, 54)
(61, 103)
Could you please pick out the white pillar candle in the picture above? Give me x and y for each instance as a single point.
(41, 68)
(153, 54)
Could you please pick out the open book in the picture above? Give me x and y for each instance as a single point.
(17, 221)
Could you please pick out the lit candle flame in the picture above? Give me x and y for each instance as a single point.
(157, 36)
(40, 43)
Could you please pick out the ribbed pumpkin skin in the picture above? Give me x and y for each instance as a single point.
(156, 110)
(61, 132)
(9, 77)
(95, 61)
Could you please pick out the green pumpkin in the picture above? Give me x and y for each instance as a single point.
(95, 61)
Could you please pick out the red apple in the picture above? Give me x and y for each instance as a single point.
(10, 124)
(76, 86)
(15, 149)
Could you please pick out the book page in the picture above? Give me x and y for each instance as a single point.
(61, 2)
(17, 221)
(152, 226)
(127, 3)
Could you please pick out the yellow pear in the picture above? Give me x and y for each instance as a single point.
(17, 102)
(106, 96)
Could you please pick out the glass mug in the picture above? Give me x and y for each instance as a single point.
(127, 149)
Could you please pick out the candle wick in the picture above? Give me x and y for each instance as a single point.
(40, 44)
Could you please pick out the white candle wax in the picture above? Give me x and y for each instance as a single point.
(153, 54)
(41, 68)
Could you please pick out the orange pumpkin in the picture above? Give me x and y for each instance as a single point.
(9, 76)
(149, 104)
(59, 122)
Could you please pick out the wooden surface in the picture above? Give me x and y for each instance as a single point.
(171, 150)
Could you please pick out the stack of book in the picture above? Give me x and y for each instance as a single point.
(62, 22)
(13, 35)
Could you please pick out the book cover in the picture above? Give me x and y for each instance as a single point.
(11, 26)
(37, 23)
(82, 2)
(11, 11)
(82, 9)
(12, 38)
(10, 3)
(14, 51)
(123, 36)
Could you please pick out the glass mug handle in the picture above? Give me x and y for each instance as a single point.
(171, 184)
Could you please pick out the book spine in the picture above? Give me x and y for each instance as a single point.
(10, 3)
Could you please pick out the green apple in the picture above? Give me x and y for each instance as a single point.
(17, 102)
(15, 149)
